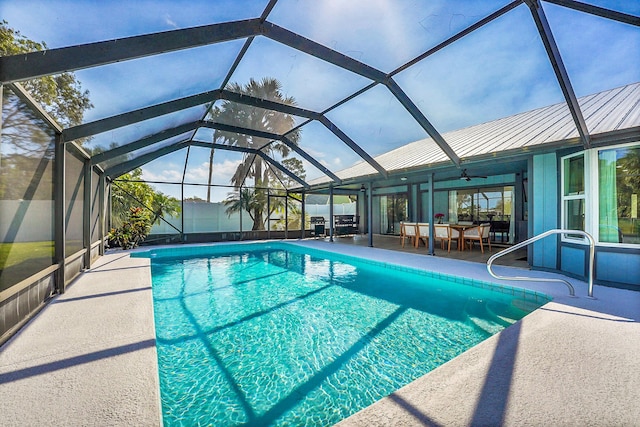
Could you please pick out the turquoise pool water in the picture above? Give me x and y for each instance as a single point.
(268, 335)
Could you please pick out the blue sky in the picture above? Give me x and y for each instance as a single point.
(499, 70)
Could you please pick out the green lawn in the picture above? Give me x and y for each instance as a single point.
(20, 260)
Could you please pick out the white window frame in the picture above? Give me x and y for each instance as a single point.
(584, 196)
(591, 196)
(594, 154)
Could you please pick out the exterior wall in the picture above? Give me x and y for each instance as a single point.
(574, 260)
(545, 209)
(619, 267)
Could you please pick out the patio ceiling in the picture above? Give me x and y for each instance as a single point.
(355, 97)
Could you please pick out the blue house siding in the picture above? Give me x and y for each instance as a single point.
(545, 209)
(618, 268)
(573, 261)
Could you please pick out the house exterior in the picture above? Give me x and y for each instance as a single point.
(526, 174)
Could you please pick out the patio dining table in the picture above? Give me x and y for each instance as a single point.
(461, 228)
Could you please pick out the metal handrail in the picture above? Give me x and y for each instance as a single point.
(592, 245)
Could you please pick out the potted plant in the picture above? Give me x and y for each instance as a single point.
(439, 217)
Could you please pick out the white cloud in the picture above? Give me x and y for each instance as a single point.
(222, 172)
(170, 22)
(170, 174)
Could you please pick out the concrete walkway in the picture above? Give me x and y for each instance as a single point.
(89, 358)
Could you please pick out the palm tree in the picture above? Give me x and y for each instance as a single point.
(246, 199)
(162, 205)
(252, 166)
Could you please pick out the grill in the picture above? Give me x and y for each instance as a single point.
(318, 225)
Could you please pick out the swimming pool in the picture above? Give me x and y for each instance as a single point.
(273, 334)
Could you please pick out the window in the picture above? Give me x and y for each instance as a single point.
(488, 204)
(618, 188)
(603, 203)
(573, 196)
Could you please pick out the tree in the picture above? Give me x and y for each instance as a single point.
(61, 95)
(194, 199)
(246, 199)
(130, 192)
(29, 150)
(162, 205)
(252, 165)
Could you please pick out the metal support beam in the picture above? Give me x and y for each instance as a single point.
(268, 214)
(125, 167)
(59, 214)
(498, 13)
(331, 213)
(559, 69)
(370, 212)
(415, 112)
(282, 169)
(184, 174)
(241, 209)
(598, 11)
(240, 130)
(86, 212)
(286, 214)
(254, 152)
(53, 61)
(273, 136)
(302, 219)
(352, 144)
(236, 62)
(144, 142)
(313, 161)
(136, 116)
(222, 147)
(303, 44)
(103, 214)
(34, 105)
(432, 227)
(268, 105)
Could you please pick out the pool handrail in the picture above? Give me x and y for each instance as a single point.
(517, 246)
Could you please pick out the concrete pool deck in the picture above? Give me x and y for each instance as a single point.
(89, 357)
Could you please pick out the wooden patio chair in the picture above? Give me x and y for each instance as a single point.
(478, 234)
(422, 233)
(446, 233)
(408, 231)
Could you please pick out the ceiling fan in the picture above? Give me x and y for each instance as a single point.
(466, 177)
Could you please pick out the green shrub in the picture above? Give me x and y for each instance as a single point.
(132, 231)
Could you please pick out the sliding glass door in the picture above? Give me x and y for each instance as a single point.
(393, 209)
(493, 205)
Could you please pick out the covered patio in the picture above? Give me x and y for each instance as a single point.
(516, 259)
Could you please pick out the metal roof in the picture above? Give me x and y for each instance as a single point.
(609, 111)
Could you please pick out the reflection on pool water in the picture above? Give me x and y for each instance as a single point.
(263, 335)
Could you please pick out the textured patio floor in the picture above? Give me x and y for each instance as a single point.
(89, 358)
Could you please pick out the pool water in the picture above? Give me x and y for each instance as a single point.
(279, 337)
